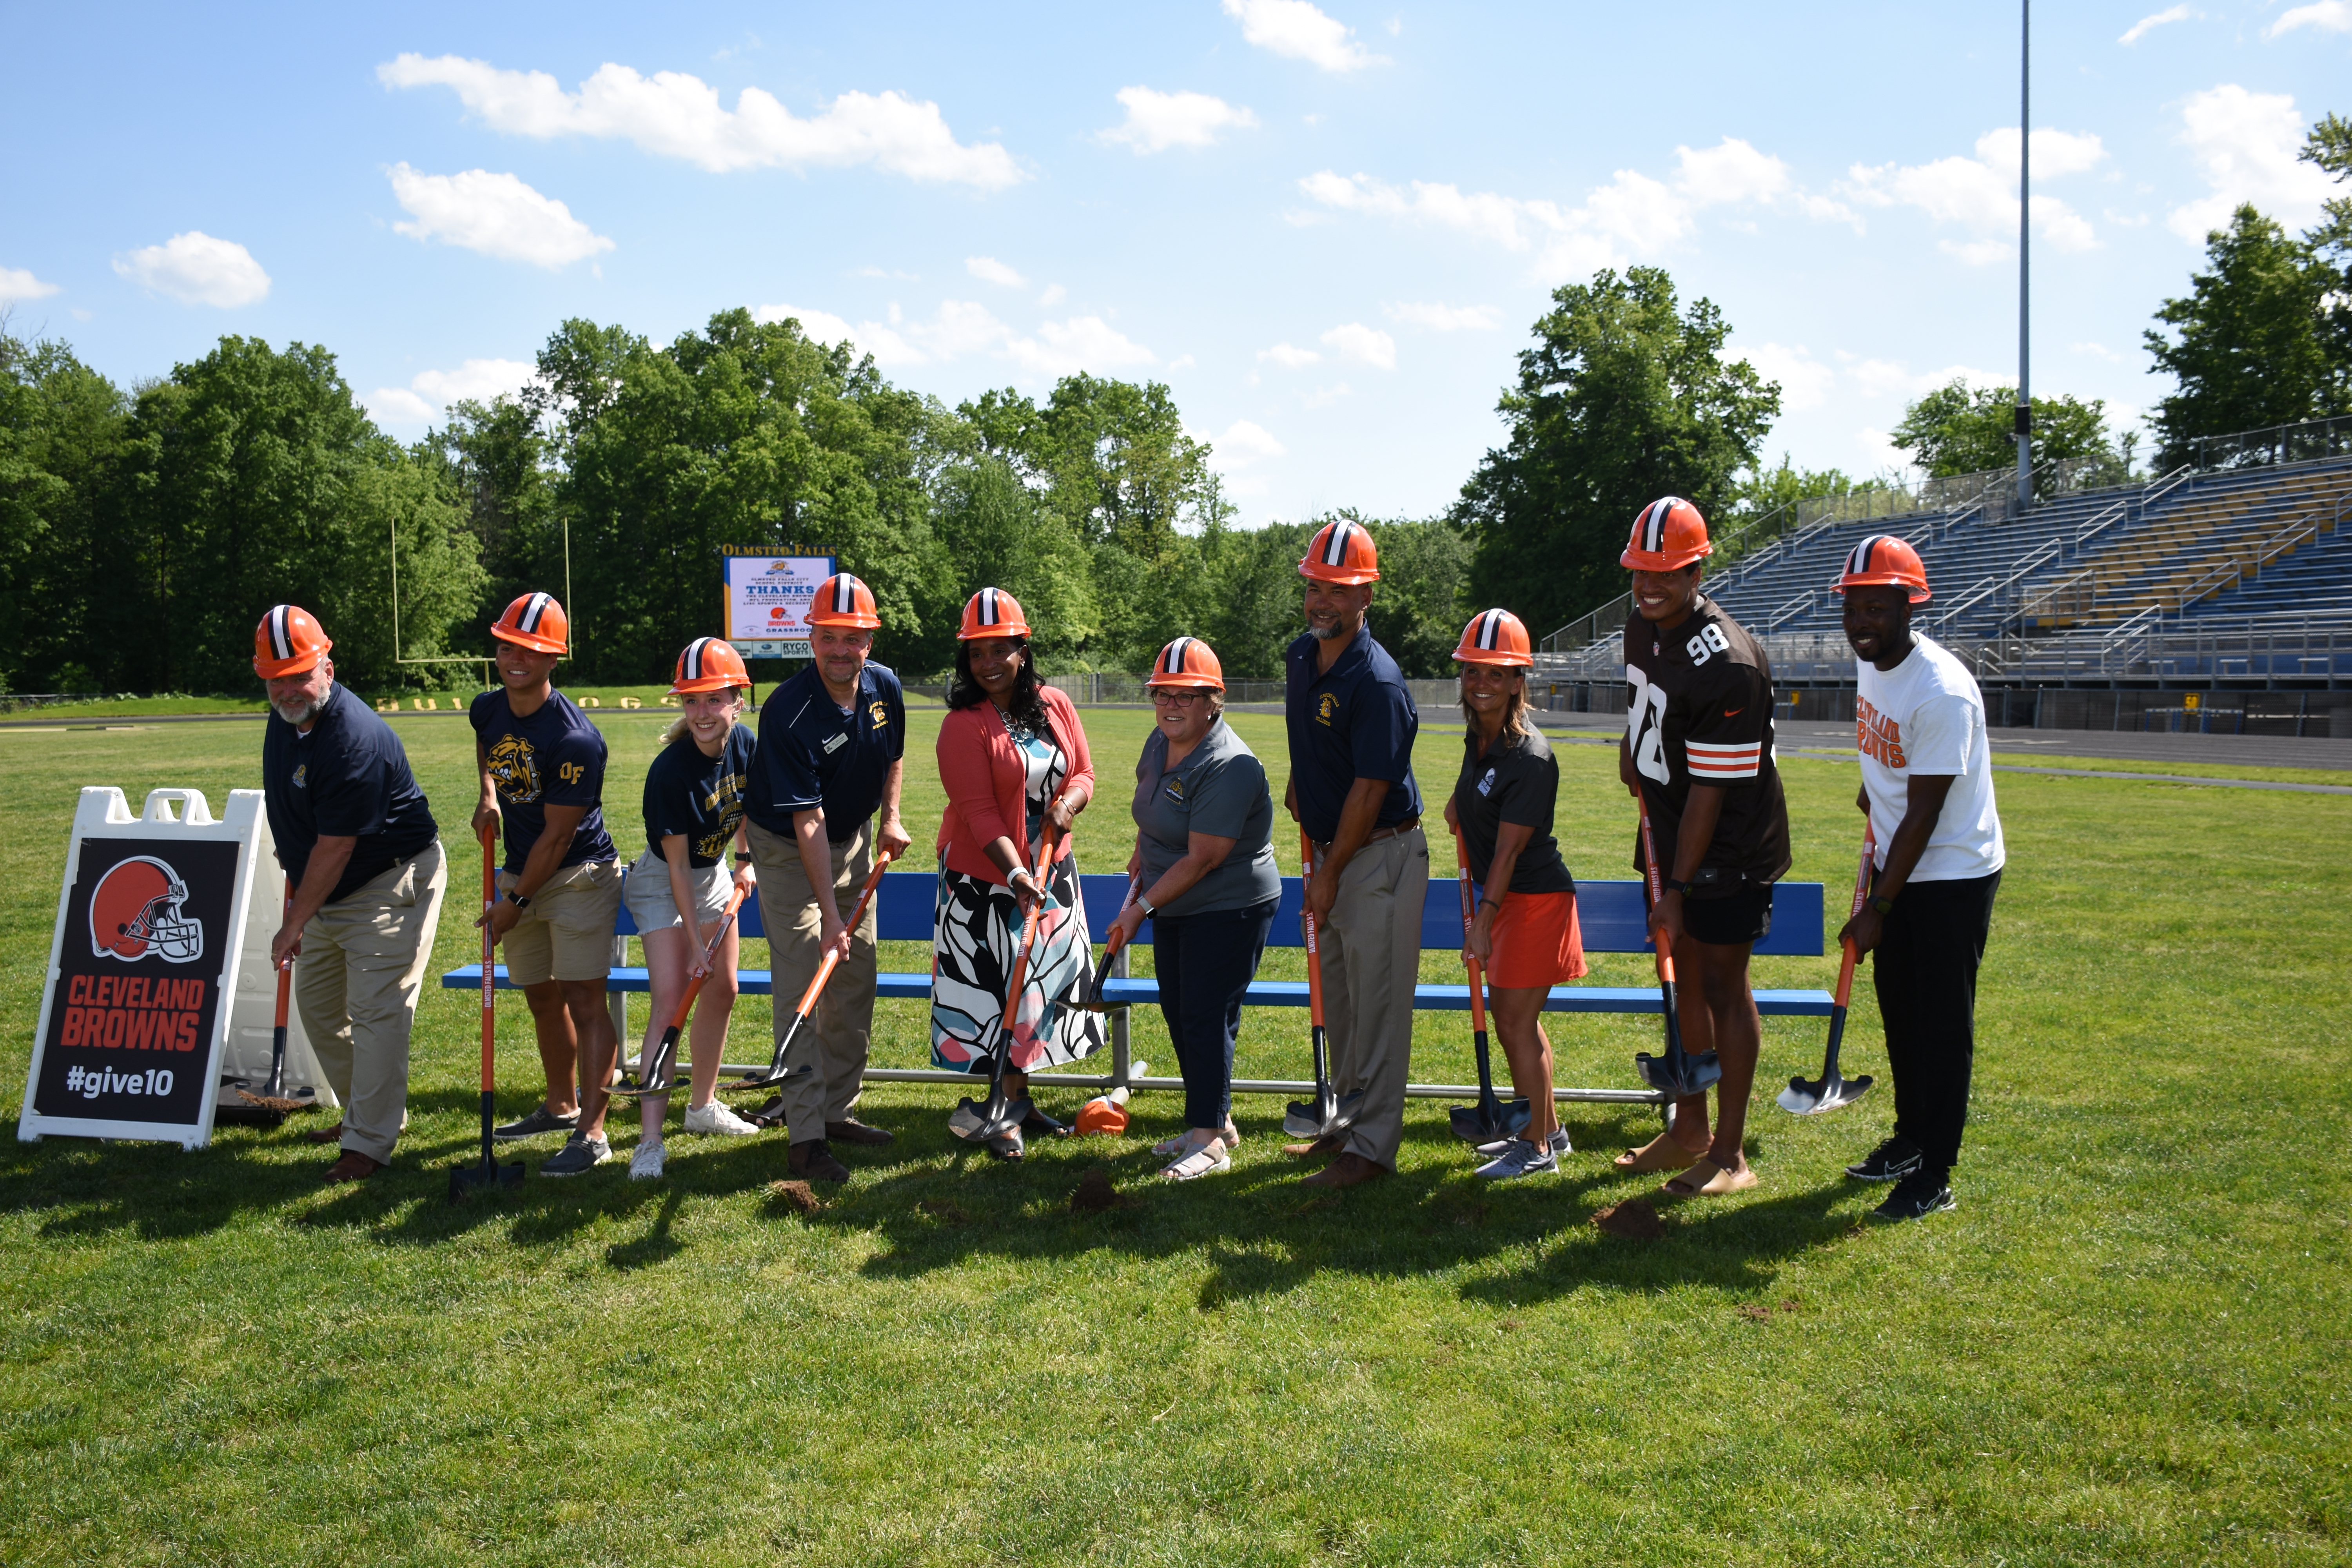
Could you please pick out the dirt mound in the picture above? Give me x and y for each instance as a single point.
(1634, 1219)
(798, 1196)
(1096, 1194)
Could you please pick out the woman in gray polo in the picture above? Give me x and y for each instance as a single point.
(1204, 862)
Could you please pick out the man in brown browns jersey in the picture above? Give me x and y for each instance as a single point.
(1698, 751)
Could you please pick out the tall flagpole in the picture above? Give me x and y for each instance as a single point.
(2025, 256)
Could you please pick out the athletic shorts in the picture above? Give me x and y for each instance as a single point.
(567, 932)
(1743, 917)
(1538, 942)
(654, 906)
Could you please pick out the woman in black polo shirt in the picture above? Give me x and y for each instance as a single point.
(1205, 860)
(1525, 932)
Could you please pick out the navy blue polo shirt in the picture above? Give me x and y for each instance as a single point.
(348, 778)
(699, 798)
(555, 757)
(812, 754)
(1355, 721)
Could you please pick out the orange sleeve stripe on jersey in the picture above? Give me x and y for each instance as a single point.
(1723, 762)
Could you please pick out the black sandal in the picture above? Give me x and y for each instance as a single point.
(1008, 1147)
(1037, 1121)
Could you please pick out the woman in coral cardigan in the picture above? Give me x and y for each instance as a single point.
(1013, 759)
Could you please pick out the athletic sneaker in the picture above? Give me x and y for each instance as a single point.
(1916, 1196)
(1519, 1158)
(541, 1119)
(1890, 1162)
(1559, 1144)
(580, 1152)
(646, 1164)
(718, 1119)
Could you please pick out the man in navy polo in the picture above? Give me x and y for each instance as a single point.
(1352, 725)
(833, 743)
(362, 855)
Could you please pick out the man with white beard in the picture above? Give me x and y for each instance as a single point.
(364, 857)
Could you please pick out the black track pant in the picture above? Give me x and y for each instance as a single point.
(1925, 971)
(1205, 963)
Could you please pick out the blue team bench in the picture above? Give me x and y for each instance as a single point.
(1609, 913)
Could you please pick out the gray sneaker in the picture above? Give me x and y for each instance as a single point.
(1559, 1144)
(541, 1119)
(1519, 1158)
(580, 1152)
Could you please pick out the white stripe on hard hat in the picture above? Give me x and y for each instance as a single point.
(1490, 627)
(1335, 548)
(280, 642)
(528, 620)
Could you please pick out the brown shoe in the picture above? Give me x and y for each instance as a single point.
(814, 1162)
(325, 1134)
(1348, 1170)
(354, 1166)
(1323, 1148)
(855, 1131)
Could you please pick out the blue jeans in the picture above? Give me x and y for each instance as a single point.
(1205, 963)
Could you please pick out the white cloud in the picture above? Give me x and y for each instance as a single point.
(479, 380)
(18, 283)
(890, 349)
(1324, 397)
(1804, 381)
(197, 269)
(2097, 351)
(2245, 145)
(2331, 16)
(1883, 377)
(497, 214)
(2146, 24)
(1082, 343)
(962, 328)
(1977, 252)
(1439, 317)
(1054, 295)
(1366, 345)
(1243, 444)
(673, 115)
(1289, 356)
(1299, 31)
(1158, 120)
(1632, 215)
(988, 269)
(1980, 193)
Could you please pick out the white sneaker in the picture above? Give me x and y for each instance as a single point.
(646, 1164)
(717, 1118)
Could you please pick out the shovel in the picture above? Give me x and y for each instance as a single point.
(1811, 1098)
(1323, 1115)
(978, 1121)
(1677, 1073)
(807, 1004)
(1490, 1118)
(1112, 944)
(489, 1173)
(654, 1075)
(271, 1107)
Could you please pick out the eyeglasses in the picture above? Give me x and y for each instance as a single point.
(1161, 698)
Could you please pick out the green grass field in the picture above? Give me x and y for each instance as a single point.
(2127, 1345)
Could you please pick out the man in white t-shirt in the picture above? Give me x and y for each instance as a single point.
(1927, 786)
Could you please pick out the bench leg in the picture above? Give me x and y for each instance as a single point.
(616, 1003)
(1120, 1076)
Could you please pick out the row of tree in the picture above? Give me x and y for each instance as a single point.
(142, 533)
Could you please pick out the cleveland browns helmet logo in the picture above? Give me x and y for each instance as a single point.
(135, 912)
(514, 770)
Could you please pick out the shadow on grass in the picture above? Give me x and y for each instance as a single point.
(934, 1204)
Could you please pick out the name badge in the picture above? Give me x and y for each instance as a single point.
(1486, 785)
(834, 744)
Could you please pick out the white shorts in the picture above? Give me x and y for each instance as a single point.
(651, 904)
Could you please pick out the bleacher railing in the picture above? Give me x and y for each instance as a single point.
(2305, 442)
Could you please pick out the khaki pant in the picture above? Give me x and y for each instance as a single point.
(566, 933)
(834, 1041)
(1371, 959)
(363, 959)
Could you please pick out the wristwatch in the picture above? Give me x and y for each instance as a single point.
(1146, 906)
(1883, 906)
(1677, 885)
(520, 900)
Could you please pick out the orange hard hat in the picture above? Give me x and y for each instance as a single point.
(1342, 553)
(709, 664)
(1495, 637)
(536, 622)
(992, 613)
(843, 600)
(1102, 1114)
(1884, 561)
(1188, 661)
(1668, 535)
(289, 641)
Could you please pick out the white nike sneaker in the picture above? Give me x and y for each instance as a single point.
(717, 1118)
(646, 1164)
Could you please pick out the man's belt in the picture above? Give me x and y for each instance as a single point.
(1375, 835)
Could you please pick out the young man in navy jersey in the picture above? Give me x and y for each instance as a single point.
(360, 848)
(543, 774)
(833, 743)
(1352, 725)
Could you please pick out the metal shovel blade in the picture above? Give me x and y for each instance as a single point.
(769, 1080)
(490, 1176)
(1306, 1118)
(1699, 1073)
(1810, 1096)
(976, 1121)
(1479, 1124)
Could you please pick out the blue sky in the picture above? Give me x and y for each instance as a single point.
(1327, 227)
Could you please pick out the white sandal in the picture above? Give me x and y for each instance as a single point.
(1166, 1147)
(1206, 1161)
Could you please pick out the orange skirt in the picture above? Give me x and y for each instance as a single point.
(1536, 943)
